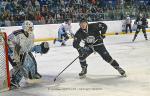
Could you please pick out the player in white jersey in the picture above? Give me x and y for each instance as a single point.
(63, 31)
(21, 44)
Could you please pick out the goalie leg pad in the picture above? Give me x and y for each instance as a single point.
(30, 66)
(10, 56)
(28, 69)
(16, 75)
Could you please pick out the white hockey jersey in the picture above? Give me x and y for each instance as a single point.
(65, 28)
(18, 37)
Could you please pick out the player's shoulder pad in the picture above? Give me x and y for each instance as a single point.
(79, 30)
(101, 23)
(78, 33)
(98, 25)
(17, 32)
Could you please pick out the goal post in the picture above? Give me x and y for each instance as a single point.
(4, 64)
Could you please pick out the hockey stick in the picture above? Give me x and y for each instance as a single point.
(71, 63)
(65, 68)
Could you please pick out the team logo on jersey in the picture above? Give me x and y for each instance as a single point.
(90, 39)
(99, 25)
(140, 23)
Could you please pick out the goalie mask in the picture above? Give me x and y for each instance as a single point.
(27, 26)
(90, 39)
(44, 47)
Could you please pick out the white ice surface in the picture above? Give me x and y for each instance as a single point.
(102, 79)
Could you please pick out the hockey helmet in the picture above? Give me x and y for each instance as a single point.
(27, 26)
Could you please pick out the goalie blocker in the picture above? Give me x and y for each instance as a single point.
(43, 48)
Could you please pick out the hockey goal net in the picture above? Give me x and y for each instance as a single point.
(4, 67)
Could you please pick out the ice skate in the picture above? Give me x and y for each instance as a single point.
(54, 41)
(146, 39)
(133, 40)
(63, 44)
(37, 76)
(14, 85)
(121, 71)
(82, 74)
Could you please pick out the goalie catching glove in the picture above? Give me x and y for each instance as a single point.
(43, 48)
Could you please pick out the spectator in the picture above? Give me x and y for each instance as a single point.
(50, 20)
(42, 21)
(7, 22)
(3, 4)
(58, 10)
(12, 20)
(37, 5)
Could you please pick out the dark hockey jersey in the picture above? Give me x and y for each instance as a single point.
(92, 36)
(141, 21)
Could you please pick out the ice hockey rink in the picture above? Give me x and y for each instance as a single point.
(101, 80)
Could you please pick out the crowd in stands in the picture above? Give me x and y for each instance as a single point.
(14, 12)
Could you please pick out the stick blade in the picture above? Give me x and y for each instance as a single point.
(54, 79)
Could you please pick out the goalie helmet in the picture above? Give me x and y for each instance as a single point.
(27, 26)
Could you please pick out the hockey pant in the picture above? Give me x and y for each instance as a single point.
(102, 51)
(138, 30)
(62, 37)
(128, 25)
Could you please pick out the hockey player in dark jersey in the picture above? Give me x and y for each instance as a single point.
(93, 35)
(141, 23)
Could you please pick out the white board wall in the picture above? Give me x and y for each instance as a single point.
(50, 30)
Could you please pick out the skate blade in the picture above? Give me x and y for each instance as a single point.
(82, 77)
(124, 75)
(14, 87)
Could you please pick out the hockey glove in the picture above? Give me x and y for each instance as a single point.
(44, 47)
(103, 36)
(66, 37)
(72, 35)
(83, 50)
